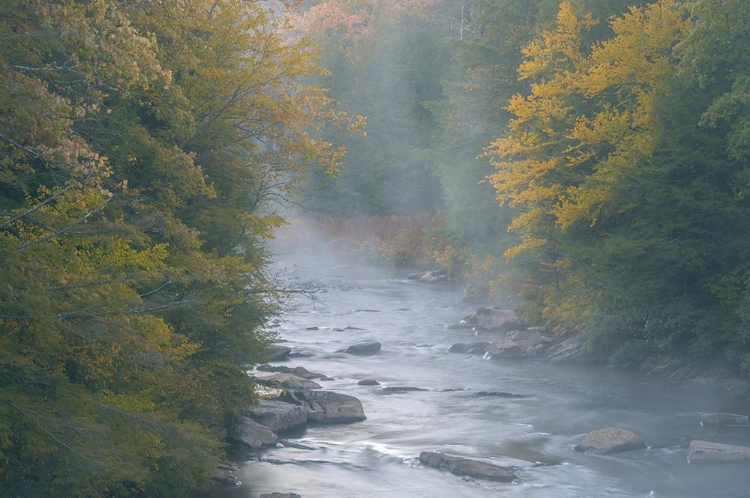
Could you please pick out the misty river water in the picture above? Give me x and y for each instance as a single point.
(535, 433)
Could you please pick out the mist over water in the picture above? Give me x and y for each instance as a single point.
(534, 432)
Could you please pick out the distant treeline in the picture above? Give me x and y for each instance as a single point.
(597, 150)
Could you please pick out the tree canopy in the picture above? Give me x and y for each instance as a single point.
(139, 144)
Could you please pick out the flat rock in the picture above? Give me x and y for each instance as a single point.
(277, 415)
(252, 434)
(288, 381)
(723, 419)
(466, 467)
(710, 452)
(610, 440)
(326, 407)
(366, 348)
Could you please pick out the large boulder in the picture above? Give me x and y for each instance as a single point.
(251, 434)
(466, 467)
(366, 348)
(277, 415)
(326, 407)
(287, 381)
(519, 344)
(610, 440)
(723, 419)
(710, 452)
(276, 352)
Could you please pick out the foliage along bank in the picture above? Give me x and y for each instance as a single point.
(139, 143)
(610, 144)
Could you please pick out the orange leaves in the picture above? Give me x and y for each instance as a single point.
(588, 120)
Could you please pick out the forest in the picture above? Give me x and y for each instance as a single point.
(582, 162)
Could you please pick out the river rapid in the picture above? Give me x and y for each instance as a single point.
(535, 432)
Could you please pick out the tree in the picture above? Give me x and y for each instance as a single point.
(138, 143)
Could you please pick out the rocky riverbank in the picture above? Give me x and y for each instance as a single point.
(294, 398)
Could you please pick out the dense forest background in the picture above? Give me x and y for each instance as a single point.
(583, 161)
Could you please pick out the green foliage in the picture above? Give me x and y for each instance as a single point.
(139, 144)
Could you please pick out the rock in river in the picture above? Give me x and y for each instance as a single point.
(366, 348)
(277, 415)
(466, 467)
(326, 407)
(252, 434)
(709, 452)
(277, 352)
(610, 440)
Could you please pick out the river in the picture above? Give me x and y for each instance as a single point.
(535, 432)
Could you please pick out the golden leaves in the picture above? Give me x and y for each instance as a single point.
(588, 119)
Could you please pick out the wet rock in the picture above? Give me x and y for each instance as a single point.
(723, 419)
(280, 495)
(368, 382)
(288, 381)
(710, 452)
(610, 440)
(277, 415)
(473, 348)
(326, 407)
(277, 352)
(492, 319)
(466, 467)
(366, 348)
(251, 434)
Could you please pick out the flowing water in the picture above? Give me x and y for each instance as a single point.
(534, 432)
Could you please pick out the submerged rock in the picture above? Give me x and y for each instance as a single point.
(710, 452)
(466, 467)
(326, 407)
(277, 415)
(610, 440)
(365, 348)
